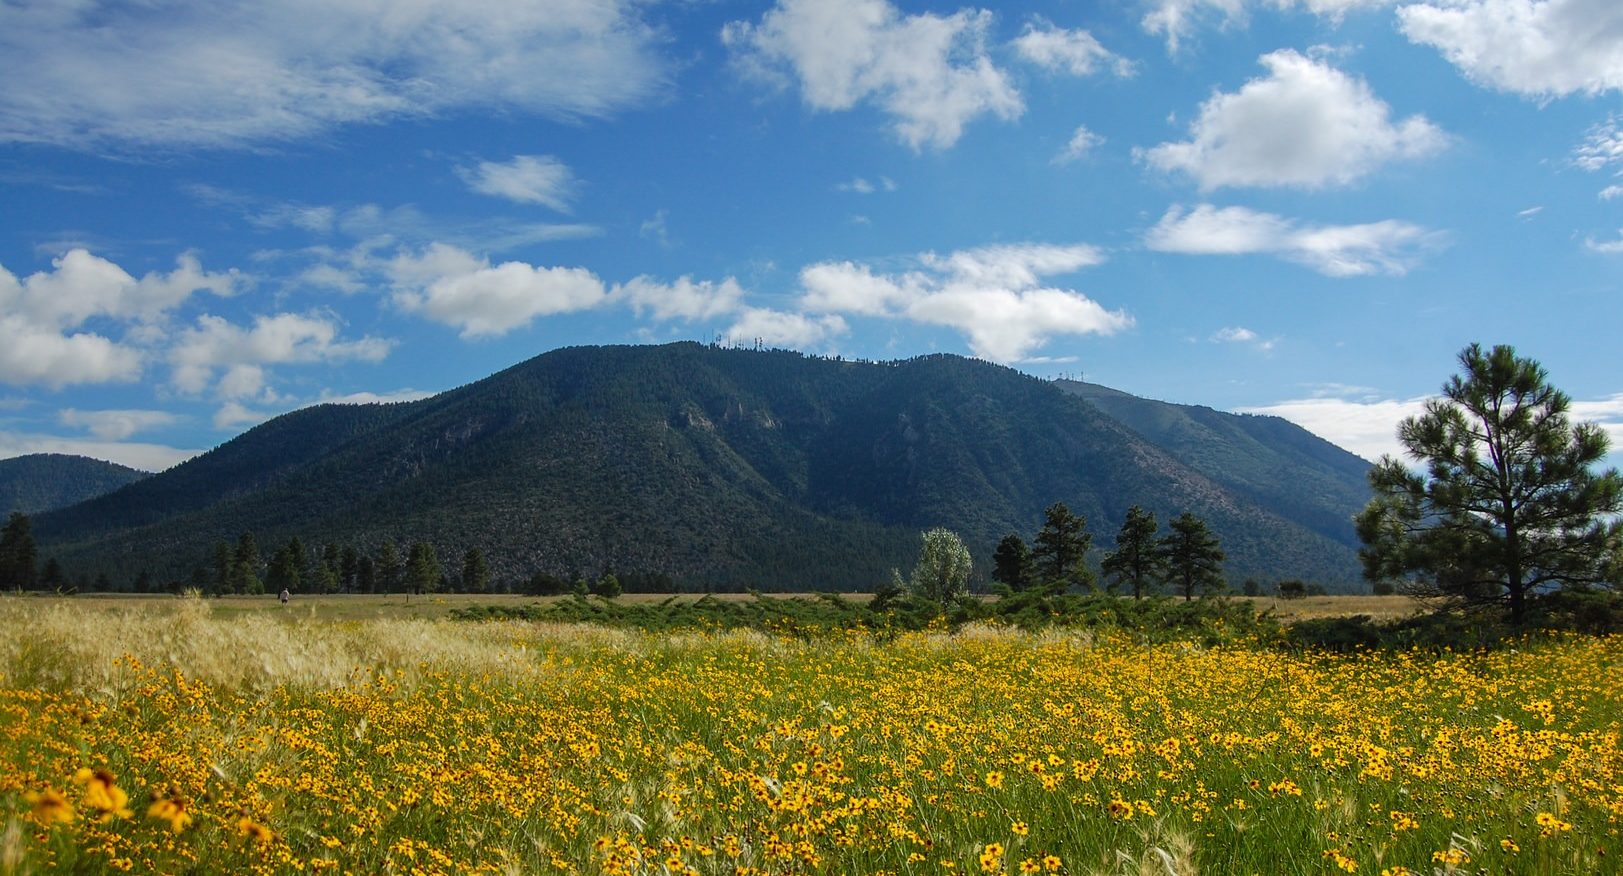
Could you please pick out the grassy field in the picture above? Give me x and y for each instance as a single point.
(235, 736)
(376, 606)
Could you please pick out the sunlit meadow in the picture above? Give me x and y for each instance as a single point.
(166, 739)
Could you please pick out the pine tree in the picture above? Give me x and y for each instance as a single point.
(423, 568)
(475, 571)
(1011, 564)
(389, 572)
(245, 563)
(1193, 558)
(1061, 550)
(284, 572)
(1135, 562)
(1509, 504)
(19, 557)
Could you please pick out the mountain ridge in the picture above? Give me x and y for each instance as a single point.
(716, 466)
(38, 482)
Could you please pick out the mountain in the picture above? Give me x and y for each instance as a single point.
(730, 468)
(44, 481)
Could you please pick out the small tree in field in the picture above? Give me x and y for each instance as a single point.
(423, 568)
(1011, 565)
(475, 571)
(1508, 504)
(1194, 561)
(1135, 562)
(942, 572)
(1061, 550)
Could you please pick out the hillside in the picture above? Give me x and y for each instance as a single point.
(727, 467)
(45, 481)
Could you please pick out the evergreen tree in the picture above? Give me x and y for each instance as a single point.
(19, 557)
(1508, 505)
(942, 572)
(143, 582)
(423, 568)
(1011, 564)
(1061, 550)
(475, 571)
(53, 577)
(332, 568)
(1193, 558)
(390, 574)
(284, 572)
(608, 586)
(1135, 562)
(366, 575)
(350, 570)
(224, 562)
(245, 563)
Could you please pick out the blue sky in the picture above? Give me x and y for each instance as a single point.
(213, 213)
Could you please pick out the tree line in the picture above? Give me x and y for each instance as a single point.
(1188, 559)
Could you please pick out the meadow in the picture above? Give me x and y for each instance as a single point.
(185, 735)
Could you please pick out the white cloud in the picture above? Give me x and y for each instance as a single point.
(781, 328)
(36, 355)
(238, 72)
(1368, 428)
(1306, 125)
(527, 179)
(1176, 19)
(1610, 192)
(930, 73)
(1242, 335)
(451, 286)
(1609, 247)
(1541, 48)
(214, 344)
(146, 457)
(1387, 247)
(1530, 212)
(374, 398)
(858, 185)
(994, 295)
(1074, 51)
(81, 286)
(684, 299)
(42, 312)
(1602, 145)
(1082, 142)
(235, 415)
(116, 425)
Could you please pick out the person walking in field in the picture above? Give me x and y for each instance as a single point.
(285, 596)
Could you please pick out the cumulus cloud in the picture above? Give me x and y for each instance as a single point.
(373, 398)
(994, 295)
(783, 328)
(1072, 51)
(1306, 125)
(1081, 143)
(146, 457)
(44, 314)
(931, 74)
(684, 299)
(1368, 426)
(527, 179)
(1539, 48)
(214, 346)
(116, 425)
(238, 72)
(452, 286)
(1386, 247)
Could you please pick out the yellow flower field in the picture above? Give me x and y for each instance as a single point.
(167, 740)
